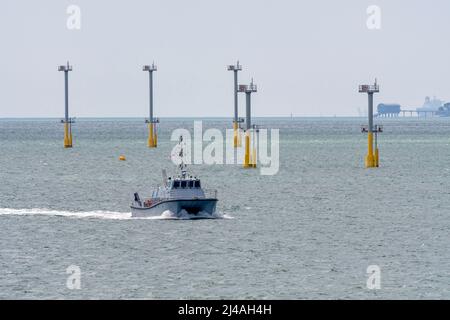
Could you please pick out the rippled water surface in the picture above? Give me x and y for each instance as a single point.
(309, 231)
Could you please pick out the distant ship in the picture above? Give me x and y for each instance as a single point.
(178, 196)
(431, 105)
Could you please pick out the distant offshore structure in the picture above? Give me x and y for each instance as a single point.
(388, 110)
(439, 107)
(431, 107)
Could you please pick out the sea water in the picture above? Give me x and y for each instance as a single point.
(310, 231)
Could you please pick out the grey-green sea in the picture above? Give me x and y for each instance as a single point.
(308, 232)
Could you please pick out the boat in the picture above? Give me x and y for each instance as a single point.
(179, 196)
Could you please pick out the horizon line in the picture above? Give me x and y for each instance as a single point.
(183, 117)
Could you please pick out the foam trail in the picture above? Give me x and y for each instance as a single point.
(112, 215)
(99, 214)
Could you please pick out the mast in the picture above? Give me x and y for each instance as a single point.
(182, 166)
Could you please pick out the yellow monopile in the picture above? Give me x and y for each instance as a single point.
(67, 136)
(151, 140)
(370, 159)
(247, 163)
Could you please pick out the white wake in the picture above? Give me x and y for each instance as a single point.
(112, 215)
(70, 214)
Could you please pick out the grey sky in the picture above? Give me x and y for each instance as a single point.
(307, 57)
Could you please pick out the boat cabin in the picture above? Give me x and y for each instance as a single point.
(184, 183)
(180, 188)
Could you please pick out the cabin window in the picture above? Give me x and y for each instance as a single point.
(191, 184)
(197, 183)
(176, 184)
(183, 183)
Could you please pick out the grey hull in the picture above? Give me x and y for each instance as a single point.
(176, 206)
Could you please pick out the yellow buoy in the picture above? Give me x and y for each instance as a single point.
(122, 158)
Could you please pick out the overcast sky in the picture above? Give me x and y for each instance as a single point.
(307, 57)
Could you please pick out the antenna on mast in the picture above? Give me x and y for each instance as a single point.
(182, 165)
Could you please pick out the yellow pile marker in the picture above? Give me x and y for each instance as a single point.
(247, 160)
(372, 157)
(67, 121)
(377, 129)
(250, 153)
(152, 136)
(67, 133)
